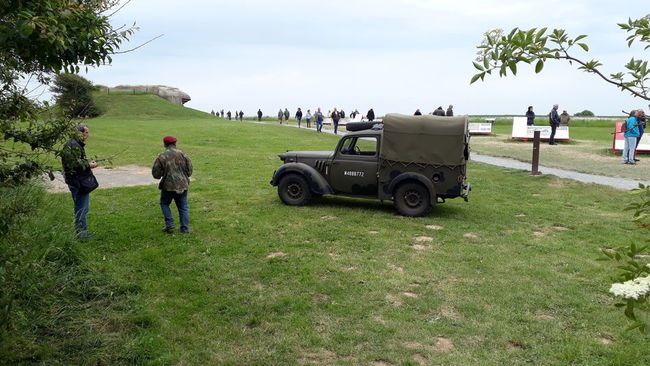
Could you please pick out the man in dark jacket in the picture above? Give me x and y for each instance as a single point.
(175, 169)
(370, 115)
(76, 167)
(336, 116)
(259, 114)
(299, 116)
(439, 111)
(554, 121)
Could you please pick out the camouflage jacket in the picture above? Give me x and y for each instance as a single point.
(175, 169)
(73, 160)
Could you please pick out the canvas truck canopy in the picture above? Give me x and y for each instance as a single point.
(427, 139)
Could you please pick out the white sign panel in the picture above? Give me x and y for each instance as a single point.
(480, 128)
(520, 130)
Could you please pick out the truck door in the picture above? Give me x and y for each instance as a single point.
(354, 167)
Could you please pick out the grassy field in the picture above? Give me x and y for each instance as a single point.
(509, 278)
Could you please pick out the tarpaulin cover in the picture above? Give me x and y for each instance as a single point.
(434, 140)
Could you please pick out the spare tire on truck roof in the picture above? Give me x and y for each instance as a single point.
(358, 126)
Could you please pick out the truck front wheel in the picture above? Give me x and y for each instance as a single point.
(412, 199)
(294, 190)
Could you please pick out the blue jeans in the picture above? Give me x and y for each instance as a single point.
(308, 122)
(299, 119)
(319, 126)
(81, 208)
(180, 199)
(628, 151)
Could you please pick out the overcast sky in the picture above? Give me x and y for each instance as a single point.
(391, 55)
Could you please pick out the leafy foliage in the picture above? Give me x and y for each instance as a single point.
(585, 113)
(502, 53)
(74, 96)
(634, 268)
(39, 38)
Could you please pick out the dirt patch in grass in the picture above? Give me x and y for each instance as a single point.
(514, 345)
(470, 235)
(423, 238)
(328, 217)
(421, 247)
(114, 177)
(320, 298)
(382, 363)
(395, 268)
(420, 359)
(546, 317)
(319, 357)
(435, 227)
(410, 294)
(442, 345)
(448, 312)
(394, 300)
(373, 232)
(276, 255)
(520, 215)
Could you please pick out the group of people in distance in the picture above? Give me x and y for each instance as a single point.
(554, 119)
(318, 117)
(438, 111)
(239, 115)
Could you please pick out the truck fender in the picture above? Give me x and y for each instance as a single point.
(316, 181)
(416, 177)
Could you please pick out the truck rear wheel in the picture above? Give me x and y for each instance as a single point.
(294, 190)
(412, 199)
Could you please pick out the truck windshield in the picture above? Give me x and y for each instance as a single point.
(359, 146)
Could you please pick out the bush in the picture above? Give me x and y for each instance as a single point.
(585, 113)
(73, 95)
(54, 309)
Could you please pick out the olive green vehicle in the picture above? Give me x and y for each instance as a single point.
(414, 161)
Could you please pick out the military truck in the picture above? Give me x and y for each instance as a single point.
(414, 161)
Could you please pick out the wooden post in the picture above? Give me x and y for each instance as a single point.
(535, 167)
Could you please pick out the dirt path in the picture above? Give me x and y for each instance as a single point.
(121, 176)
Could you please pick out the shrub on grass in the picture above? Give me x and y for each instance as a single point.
(53, 308)
(632, 283)
(73, 95)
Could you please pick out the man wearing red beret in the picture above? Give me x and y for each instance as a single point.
(175, 169)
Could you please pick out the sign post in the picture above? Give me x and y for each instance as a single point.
(535, 168)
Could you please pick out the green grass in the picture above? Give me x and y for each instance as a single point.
(511, 278)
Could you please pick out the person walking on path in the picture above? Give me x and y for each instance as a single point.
(286, 115)
(259, 114)
(77, 171)
(319, 120)
(336, 116)
(174, 169)
(450, 111)
(370, 115)
(530, 116)
(241, 116)
(417, 112)
(554, 121)
(222, 113)
(308, 118)
(280, 115)
(229, 115)
(299, 116)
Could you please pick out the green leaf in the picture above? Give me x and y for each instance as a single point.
(477, 66)
(584, 46)
(476, 77)
(513, 67)
(539, 66)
